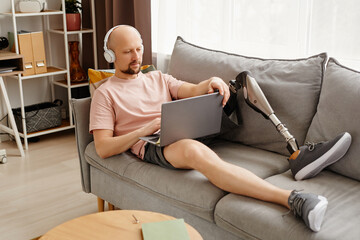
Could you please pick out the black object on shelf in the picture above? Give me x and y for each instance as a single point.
(4, 43)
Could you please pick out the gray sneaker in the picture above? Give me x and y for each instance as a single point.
(310, 207)
(312, 158)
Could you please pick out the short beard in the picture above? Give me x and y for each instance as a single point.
(131, 71)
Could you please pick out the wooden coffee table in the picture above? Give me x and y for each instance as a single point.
(119, 224)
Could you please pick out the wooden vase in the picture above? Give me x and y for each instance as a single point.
(77, 74)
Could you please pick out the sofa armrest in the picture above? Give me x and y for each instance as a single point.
(81, 110)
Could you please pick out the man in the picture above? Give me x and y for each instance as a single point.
(128, 106)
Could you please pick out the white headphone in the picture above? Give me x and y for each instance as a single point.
(108, 53)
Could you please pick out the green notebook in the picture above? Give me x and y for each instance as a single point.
(165, 230)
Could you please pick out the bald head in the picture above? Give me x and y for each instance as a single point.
(126, 43)
(123, 34)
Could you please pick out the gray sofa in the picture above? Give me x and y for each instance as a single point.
(316, 98)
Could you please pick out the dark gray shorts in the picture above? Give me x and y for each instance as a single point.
(155, 154)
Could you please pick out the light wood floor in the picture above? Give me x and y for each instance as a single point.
(43, 189)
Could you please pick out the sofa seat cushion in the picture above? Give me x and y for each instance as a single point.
(187, 189)
(247, 216)
(262, 163)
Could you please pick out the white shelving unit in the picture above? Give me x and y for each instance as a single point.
(52, 71)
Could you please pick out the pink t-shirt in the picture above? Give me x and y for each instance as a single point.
(124, 105)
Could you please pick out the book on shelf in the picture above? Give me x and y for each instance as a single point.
(7, 69)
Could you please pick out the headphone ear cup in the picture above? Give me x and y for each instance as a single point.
(109, 56)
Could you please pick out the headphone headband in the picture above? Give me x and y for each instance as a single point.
(107, 37)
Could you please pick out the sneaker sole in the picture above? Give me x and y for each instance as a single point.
(325, 160)
(316, 216)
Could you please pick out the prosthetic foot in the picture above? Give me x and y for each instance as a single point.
(256, 99)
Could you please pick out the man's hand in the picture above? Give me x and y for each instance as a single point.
(151, 127)
(218, 84)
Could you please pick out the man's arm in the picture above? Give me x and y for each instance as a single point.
(107, 145)
(207, 86)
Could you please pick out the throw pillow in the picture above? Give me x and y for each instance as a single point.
(98, 77)
(338, 111)
(292, 87)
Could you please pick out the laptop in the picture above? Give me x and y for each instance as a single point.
(188, 118)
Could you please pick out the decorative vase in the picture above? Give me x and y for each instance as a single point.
(73, 21)
(77, 74)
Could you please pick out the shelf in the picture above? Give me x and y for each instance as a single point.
(54, 75)
(61, 31)
(65, 124)
(11, 74)
(63, 83)
(51, 71)
(10, 64)
(45, 13)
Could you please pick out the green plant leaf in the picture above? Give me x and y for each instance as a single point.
(72, 6)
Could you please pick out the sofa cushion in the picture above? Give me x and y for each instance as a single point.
(187, 189)
(338, 111)
(243, 215)
(291, 86)
(262, 163)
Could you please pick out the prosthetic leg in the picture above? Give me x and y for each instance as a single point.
(256, 99)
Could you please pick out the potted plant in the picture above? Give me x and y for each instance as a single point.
(73, 18)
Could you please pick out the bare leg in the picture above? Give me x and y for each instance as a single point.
(191, 154)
